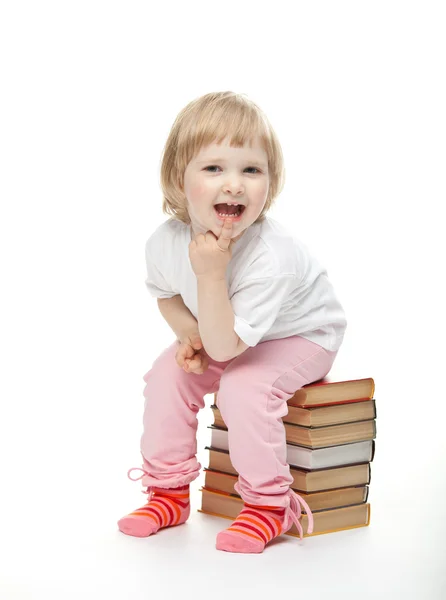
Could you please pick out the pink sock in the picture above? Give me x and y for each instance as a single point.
(166, 507)
(253, 529)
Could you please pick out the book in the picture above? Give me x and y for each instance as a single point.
(330, 390)
(319, 416)
(304, 480)
(229, 506)
(328, 435)
(311, 458)
(222, 482)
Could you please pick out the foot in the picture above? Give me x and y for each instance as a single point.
(165, 508)
(255, 527)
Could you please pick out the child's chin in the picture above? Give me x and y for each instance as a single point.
(235, 233)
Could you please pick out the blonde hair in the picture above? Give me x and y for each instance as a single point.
(208, 119)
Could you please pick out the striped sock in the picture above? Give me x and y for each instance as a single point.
(166, 507)
(253, 529)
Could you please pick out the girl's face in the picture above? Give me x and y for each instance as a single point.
(221, 174)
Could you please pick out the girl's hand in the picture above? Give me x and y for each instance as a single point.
(209, 255)
(190, 355)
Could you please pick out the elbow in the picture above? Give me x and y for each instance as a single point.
(239, 349)
(218, 357)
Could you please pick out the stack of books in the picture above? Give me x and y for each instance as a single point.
(330, 432)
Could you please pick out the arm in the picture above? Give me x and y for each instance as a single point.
(216, 320)
(178, 316)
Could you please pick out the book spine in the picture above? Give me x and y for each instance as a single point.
(293, 530)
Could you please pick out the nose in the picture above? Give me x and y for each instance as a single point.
(233, 186)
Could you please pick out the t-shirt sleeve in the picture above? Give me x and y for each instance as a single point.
(256, 305)
(155, 281)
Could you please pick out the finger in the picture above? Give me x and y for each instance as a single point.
(203, 367)
(197, 370)
(179, 357)
(189, 352)
(224, 238)
(197, 344)
(188, 368)
(183, 352)
(195, 363)
(187, 363)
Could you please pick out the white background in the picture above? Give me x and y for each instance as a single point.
(356, 93)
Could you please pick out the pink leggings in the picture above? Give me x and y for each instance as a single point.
(253, 390)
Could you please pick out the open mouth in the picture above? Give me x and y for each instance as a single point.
(229, 211)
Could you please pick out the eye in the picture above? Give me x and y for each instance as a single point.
(217, 167)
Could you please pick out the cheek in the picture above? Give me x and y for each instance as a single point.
(199, 189)
(196, 192)
(262, 190)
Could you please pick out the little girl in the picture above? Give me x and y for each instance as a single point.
(255, 315)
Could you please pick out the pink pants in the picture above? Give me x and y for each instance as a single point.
(253, 390)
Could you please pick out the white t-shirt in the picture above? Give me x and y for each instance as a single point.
(276, 287)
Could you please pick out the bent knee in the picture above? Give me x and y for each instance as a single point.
(235, 392)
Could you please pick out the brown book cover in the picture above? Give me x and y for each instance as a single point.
(325, 521)
(330, 435)
(331, 390)
(320, 416)
(336, 414)
(323, 437)
(298, 455)
(335, 498)
(304, 480)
